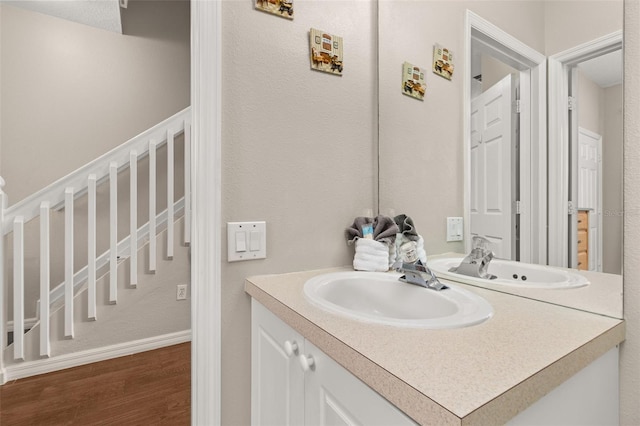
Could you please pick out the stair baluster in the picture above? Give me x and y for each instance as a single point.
(170, 201)
(187, 182)
(45, 279)
(152, 206)
(68, 262)
(113, 232)
(91, 247)
(133, 221)
(18, 288)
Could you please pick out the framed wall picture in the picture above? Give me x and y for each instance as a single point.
(326, 51)
(413, 83)
(282, 8)
(442, 61)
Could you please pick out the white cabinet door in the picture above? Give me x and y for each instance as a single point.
(283, 392)
(277, 380)
(333, 396)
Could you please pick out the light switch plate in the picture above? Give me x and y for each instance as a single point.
(454, 229)
(246, 241)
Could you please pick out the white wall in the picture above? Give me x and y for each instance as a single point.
(299, 149)
(570, 23)
(71, 92)
(630, 349)
(612, 158)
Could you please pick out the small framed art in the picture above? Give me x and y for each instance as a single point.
(326, 51)
(442, 61)
(282, 8)
(413, 83)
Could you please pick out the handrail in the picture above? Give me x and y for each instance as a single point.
(54, 193)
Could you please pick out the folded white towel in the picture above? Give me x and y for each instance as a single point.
(392, 255)
(371, 255)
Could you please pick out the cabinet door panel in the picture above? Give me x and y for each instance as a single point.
(333, 396)
(277, 380)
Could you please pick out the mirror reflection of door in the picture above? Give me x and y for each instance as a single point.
(494, 168)
(589, 201)
(595, 182)
(493, 54)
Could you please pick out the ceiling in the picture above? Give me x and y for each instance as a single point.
(605, 70)
(103, 14)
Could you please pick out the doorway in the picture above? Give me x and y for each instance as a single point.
(494, 166)
(530, 66)
(567, 103)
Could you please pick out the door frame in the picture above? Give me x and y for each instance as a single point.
(560, 143)
(206, 230)
(533, 152)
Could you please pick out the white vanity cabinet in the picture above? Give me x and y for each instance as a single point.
(295, 383)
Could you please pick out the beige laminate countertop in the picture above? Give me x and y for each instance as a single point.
(485, 374)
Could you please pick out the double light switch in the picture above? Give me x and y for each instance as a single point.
(246, 240)
(454, 229)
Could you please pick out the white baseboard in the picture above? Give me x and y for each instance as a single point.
(48, 365)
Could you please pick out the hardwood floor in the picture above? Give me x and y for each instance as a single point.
(150, 388)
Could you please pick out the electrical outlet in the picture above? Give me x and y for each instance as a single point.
(181, 293)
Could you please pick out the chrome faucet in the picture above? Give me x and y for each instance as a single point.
(476, 263)
(419, 274)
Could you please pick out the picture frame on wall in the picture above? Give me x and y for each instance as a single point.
(283, 8)
(326, 51)
(442, 61)
(413, 83)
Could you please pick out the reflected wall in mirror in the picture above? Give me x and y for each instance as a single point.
(425, 165)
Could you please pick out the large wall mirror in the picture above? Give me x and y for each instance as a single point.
(556, 173)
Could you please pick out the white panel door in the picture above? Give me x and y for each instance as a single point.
(590, 191)
(493, 169)
(277, 380)
(333, 396)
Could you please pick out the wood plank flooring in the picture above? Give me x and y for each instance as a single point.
(150, 388)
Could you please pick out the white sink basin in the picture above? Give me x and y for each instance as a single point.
(512, 274)
(378, 297)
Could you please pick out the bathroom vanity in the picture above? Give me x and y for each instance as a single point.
(530, 363)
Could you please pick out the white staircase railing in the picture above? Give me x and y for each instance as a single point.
(62, 194)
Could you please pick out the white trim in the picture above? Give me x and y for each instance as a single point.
(559, 139)
(206, 69)
(47, 365)
(532, 155)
